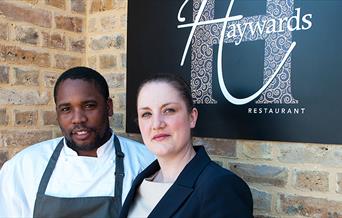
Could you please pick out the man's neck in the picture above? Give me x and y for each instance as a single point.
(92, 152)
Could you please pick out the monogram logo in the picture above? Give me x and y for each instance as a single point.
(275, 28)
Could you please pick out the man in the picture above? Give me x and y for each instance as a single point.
(86, 173)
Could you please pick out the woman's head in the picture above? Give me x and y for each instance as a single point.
(166, 114)
(176, 82)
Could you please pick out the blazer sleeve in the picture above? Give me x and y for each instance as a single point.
(226, 196)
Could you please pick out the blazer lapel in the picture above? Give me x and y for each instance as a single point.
(171, 201)
(150, 170)
(183, 186)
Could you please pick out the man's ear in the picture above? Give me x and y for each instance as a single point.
(110, 110)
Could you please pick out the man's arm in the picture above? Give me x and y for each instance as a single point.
(10, 202)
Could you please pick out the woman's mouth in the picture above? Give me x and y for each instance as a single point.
(160, 137)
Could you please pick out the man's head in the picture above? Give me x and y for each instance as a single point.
(86, 74)
(83, 107)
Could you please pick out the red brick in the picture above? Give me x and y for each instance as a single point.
(261, 174)
(4, 77)
(310, 207)
(31, 15)
(3, 157)
(26, 118)
(32, 2)
(119, 101)
(74, 24)
(101, 5)
(312, 180)
(256, 149)
(78, 6)
(56, 3)
(50, 79)
(54, 40)
(23, 97)
(26, 77)
(3, 117)
(116, 80)
(92, 62)
(220, 147)
(77, 45)
(92, 25)
(27, 35)
(24, 137)
(107, 61)
(262, 201)
(108, 23)
(13, 54)
(4, 31)
(123, 60)
(50, 118)
(104, 42)
(66, 62)
(117, 122)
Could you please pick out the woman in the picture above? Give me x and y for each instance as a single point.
(183, 181)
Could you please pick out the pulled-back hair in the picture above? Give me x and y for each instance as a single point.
(176, 82)
(86, 74)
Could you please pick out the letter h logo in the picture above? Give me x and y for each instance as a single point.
(207, 31)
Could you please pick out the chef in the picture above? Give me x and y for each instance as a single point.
(87, 172)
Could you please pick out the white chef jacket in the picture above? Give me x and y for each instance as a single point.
(73, 176)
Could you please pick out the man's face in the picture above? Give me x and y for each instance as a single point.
(82, 114)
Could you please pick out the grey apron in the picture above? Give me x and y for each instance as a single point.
(88, 207)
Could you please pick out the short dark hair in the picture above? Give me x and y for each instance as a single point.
(86, 74)
(175, 81)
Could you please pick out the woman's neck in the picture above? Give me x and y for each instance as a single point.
(171, 167)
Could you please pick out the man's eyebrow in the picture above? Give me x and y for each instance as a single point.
(63, 105)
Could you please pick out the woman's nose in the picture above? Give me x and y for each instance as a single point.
(158, 122)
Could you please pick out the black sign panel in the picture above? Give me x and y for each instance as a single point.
(266, 70)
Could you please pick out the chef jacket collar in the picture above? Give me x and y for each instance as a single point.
(104, 150)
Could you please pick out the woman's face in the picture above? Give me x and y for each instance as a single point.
(164, 121)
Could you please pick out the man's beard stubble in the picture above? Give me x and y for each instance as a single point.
(99, 141)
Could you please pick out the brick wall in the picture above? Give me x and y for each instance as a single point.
(106, 50)
(39, 39)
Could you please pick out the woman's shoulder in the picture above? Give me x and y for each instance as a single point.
(218, 174)
(218, 184)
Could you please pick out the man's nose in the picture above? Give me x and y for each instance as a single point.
(79, 116)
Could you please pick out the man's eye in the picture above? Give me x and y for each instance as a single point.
(90, 106)
(65, 109)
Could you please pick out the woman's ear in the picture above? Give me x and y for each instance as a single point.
(193, 117)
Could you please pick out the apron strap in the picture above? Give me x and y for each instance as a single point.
(119, 170)
(49, 169)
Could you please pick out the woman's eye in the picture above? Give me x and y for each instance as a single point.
(146, 114)
(169, 110)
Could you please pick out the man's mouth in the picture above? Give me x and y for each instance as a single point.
(81, 134)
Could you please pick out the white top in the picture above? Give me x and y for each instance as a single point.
(73, 176)
(148, 195)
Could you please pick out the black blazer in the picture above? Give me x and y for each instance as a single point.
(203, 189)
